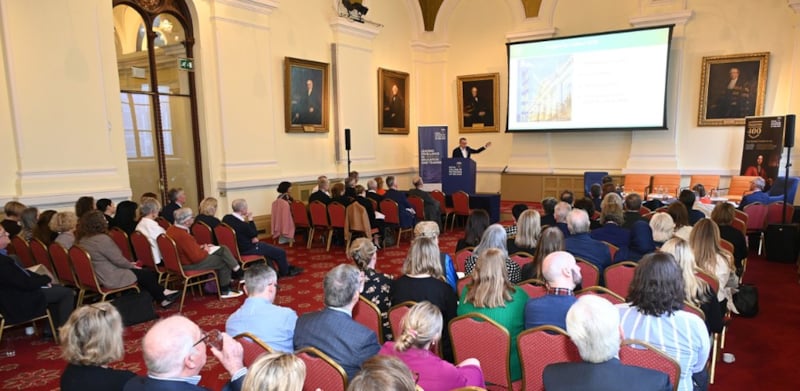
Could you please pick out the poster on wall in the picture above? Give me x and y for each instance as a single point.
(763, 146)
(432, 149)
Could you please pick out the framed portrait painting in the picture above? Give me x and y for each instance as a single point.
(306, 91)
(732, 88)
(392, 102)
(478, 102)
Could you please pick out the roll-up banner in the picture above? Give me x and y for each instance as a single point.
(432, 149)
(763, 146)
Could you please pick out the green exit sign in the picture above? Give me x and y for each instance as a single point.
(186, 64)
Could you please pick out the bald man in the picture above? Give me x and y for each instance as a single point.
(174, 351)
(562, 275)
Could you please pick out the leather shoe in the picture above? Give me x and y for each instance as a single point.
(293, 271)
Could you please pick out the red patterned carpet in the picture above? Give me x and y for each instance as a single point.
(762, 345)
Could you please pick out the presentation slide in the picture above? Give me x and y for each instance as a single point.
(606, 81)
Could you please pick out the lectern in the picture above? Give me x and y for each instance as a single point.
(458, 174)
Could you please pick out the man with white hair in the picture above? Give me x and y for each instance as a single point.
(372, 191)
(756, 193)
(562, 275)
(593, 325)
(321, 193)
(581, 245)
(174, 351)
(560, 213)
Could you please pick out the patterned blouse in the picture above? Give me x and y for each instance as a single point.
(513, 270)
(378, 289)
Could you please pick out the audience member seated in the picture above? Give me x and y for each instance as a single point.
(108, 208)
(609, 188)
(332, 329)
(377, 286)
(322, 195)
(561, 211)
(663, 228)
(654, 315)
(90, 340)
(593, 325)
(712, 259)
(433, 211)
(567, 196)
(379, 186)
(377, 225)
(562, 275)
(688, 198)
(491, 294)
(527, 233)
(126, 218)
(259, 315)
(13, 211)
(596, 193)
(404, 207)
(700, 192)
(177, 199)
(337, 194)
(516, 211)
(429, 229)
(64, 223)
(276, 372)
(207, 213)
(698, 291)
(549, 207)
(110, 266)
(374, 191)
(423, 280)
(194, 256)
(383, 373)
(581, 245)
(350, 184)
(551, 240)
(281, 215)
(422, 328)
(149, 227)
(42, 229)
(680, 216)
(587, 205)
(241, 220)
(612, 231)
(174, 351)
(25, 294)
(723, 215)
(84, 205)
(755, 194)
(632, 205)
(477, 222)
(494, 237)
(316, 187)
(28, 222)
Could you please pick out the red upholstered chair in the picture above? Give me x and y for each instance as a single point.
(337, 214)
(775, 213)
(253, 347)
(84, 271)
(493, 351)
(164, 223)
(46, 315)
(611, 248)
(396, 315)
(644, 211)
(300, 217)
(602, 292)
(726, 245)
(202, 233)
(589, 272)
(172, 262)
(641, 354)
(708, 278)
(369, 315)
(226, 236)
(419, 207)
(392, 212)
(23, 250)
(447, 212)
(460, 207)
(120, 237)
(322, 373)
(739, 224)
(461, 284)
(521, 258)
(691, 308)
(461, 258)
(756, 221)
(144, 254)
(41, 256)
(319, 221)
(540, 347)
(741, 215)
(533, 287)
(618, 277)
(63, 266)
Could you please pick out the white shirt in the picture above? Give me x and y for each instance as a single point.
(151, 230)
(463, 152)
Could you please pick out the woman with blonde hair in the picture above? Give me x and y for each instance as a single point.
(724, 214)
(275, 372)
(90, 340)
(207, 212)
(712, 259)
(698, 292)
(529, 227)
(663, 228)
(381, 372)
(377, 286)
(423, 280)
(64, 223)
(491, 294)
(422, 328)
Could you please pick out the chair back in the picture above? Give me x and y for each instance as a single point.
(589, 272)
(708, 181)
(164, 223)
(23, 251)
(775, 213)
(461, 258)
(169, 254)
(670, 183)
(84, 271)
(419, 207)
(202, 233)
(590, 178)
(641, 354)
(439, 196)
(41, 256)
(461, 284)
(726, 245)
(144, 253)
(253, 347)
(322, 373)
(740, 225)
(602, 292)
(493, 353)
(226, 236)
(319, 214)
(708, 278)
(300, 214)
(336, 212)
(738, 186)
(461, 203)
(521, 258)
(120, 237)
(396, 315)
(618, 277)
(611, 248)
(693, 309)
(756, 217)
(540, 347)
(636, 183)
(741, 215)
(532, 290)
(644, 211)
(390, 209)
(62, 264)
(369, 315)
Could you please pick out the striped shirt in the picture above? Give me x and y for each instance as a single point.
(682, 336)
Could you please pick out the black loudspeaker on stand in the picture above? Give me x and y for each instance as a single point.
(347, 147)
(782, 241)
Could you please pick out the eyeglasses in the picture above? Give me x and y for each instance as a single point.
(212, 338)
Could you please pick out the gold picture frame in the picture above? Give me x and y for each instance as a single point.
(478, 103)
(732, 87)
(306, 92)
(393, 104)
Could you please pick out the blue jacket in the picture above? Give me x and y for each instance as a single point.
(611, 375)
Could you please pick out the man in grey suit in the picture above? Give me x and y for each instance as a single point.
(333, 330)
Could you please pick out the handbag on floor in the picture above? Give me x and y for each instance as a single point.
(135, 308)
(746, 300)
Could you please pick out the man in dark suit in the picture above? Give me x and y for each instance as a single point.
(241, 220)
(322, 194)
(433, 211)
(560, 213)
(549, 208)
(477, 110)
(404, 207)
(177, 198)
(394, 110)
(464, 151)
(333, 330)
(372, 191)
(633, 202)
(756, 193)
(308, 109)
(179, 335)
(593, 325)
(581, 245)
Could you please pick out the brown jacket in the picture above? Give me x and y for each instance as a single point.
(112, 269)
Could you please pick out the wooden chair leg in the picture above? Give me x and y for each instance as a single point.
(310, 237)
(714, 354)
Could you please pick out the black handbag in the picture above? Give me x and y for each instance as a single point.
(746, 300)
(135, 308)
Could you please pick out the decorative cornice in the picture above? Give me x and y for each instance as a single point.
(427, 47)
(677, 18)
(531, 35)
(347, 26)
(261, 6)
(795, 5)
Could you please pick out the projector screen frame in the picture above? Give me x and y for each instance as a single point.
(662, 126)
